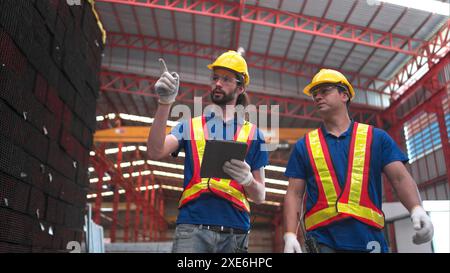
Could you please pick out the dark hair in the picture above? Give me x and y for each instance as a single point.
(241, 79)
(343, 89)
(243, 99)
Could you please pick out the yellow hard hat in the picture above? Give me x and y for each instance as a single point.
(329, 76)
(233, 61)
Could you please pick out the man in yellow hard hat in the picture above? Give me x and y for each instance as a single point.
(214, 213)
(339, 165)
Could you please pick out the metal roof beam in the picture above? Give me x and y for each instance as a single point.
(428, 55)
(284, 20)
(390, 112)
(255, 60)
(288, 107)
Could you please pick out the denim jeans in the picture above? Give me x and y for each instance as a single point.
(193, 239)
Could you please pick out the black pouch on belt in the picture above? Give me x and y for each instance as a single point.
(311, 244)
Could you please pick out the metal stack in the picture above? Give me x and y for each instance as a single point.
(50, 55)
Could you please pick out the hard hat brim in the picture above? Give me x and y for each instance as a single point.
(246, 78)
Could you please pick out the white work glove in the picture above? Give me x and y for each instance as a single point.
(167, 85)
(422, 224)
(291, 244)
(239, 171)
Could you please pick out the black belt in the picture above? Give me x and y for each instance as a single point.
(223, 229)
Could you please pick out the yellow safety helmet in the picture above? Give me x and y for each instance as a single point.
(329, 76)
(233, 61)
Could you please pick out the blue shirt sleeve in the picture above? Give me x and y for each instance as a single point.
(180, 131)
(257, 157)
(296, 167)
(390, 150)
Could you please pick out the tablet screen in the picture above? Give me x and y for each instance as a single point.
(217, 152)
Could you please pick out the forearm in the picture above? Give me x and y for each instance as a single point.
(157, 135)
(407, 192)
(291, 210)
(403, 184)
(256, 191)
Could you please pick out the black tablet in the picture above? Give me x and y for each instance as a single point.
(217, 152)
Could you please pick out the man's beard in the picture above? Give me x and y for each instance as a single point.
(224, 99)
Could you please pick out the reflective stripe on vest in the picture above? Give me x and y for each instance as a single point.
(354, 200)
(225, 188)
(324, 211)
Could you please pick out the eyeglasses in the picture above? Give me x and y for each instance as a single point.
(323, 91)
(224, 79)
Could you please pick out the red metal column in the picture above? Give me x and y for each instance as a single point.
(100, 169)
(145, 209)
(277, 239)
(98, 199)
(126, 229)
(137, 212)
(155, 213)
(128, 190)
(162, 227)
(444, 135)
(152, 215)
(119, 181)
(116, 195)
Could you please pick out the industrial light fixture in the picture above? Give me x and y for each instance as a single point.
(168, 174)
(122, 191)
(180, 176)
(167, 187)
(136, 118)
(164, 164)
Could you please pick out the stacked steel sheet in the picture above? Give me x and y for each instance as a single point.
(50, 55)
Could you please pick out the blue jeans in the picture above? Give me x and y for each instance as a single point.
(194, 239)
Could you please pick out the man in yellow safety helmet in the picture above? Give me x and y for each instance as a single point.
(214, 213)
(339, 165)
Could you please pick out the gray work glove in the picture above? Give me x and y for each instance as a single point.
(422, 225)
(291, 244)
(167, 85)
(239, 171)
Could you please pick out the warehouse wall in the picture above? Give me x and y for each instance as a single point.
(431, 167)
(50, 56)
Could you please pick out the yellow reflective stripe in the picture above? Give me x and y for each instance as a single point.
(322, 168)
(245, 132)
(362, 212)
(320, 216)
(359, 157)
(224, 186)
(199, 137)
(195, 188)
(352, 207)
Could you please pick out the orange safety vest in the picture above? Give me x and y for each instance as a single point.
(225, 188)
(333, 203)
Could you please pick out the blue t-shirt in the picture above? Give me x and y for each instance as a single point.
(210, 209)
(347, 234)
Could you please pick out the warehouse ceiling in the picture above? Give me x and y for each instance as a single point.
(285, 43)
(282, 57)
